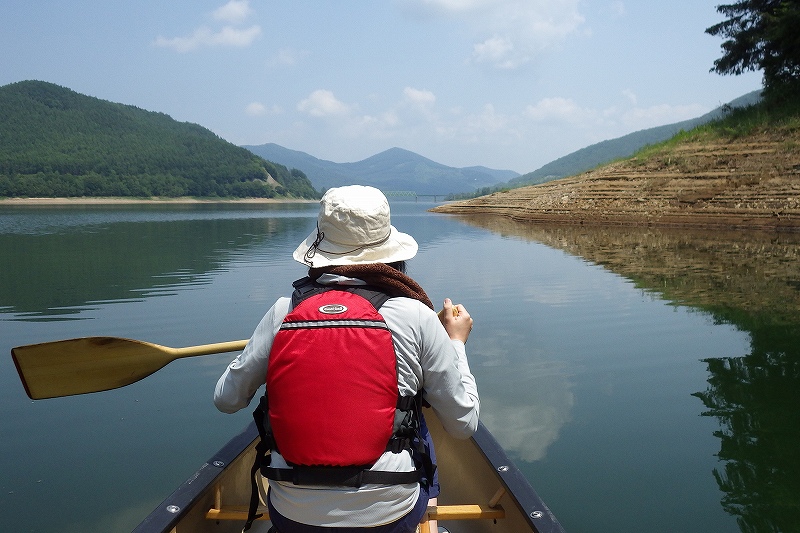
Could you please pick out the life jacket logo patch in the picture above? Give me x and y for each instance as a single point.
(333, 309)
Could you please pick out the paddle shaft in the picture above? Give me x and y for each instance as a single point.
(93, 364)
(208, 349)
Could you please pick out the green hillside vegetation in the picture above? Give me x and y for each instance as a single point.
(55, 142)
(780, 118)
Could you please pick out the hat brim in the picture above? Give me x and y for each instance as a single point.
(398, 247)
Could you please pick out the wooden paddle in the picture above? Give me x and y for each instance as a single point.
(92, 364)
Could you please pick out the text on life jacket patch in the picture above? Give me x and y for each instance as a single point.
(333, 309)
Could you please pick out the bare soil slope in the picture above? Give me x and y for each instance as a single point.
(751, 182)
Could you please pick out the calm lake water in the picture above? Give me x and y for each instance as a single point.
(643, 380)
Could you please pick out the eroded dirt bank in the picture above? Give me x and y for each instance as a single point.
(751, 183)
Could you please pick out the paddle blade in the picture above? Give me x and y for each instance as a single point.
(92, 364)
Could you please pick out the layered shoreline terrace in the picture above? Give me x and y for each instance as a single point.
(745, 183)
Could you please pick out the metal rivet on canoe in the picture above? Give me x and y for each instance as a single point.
(503, 468)
(173, 509)
(537, 514)
(218, 464)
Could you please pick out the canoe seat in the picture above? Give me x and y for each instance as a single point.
(490, 511)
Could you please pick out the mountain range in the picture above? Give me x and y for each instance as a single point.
(392, 170)
(56, 142)
(397, 169)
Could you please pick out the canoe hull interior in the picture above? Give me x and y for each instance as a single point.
(474, 471)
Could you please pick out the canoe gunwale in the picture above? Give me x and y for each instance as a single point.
(532, 507)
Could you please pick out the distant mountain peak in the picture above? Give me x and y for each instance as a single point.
(393, 169)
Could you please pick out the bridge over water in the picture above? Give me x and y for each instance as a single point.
(413, 195)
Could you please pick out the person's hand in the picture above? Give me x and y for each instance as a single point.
(456, 321)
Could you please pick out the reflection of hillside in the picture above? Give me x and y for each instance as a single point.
(60, 273)
(750, 280)
(729, 274)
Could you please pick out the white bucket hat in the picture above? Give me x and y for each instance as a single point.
(354, 228)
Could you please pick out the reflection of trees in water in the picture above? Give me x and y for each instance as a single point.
(757, 399)
(751, 281)
(58, 274)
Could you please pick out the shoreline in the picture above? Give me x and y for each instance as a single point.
(743, 183)
(85, 200)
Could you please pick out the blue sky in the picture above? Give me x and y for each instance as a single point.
(507, 84)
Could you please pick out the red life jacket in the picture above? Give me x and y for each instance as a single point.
(332, 382)
(332, 405)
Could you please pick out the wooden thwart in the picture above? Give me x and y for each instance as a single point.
(435, 512)
(492, 511)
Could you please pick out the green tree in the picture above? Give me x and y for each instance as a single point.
(761, 35)
(56, 142)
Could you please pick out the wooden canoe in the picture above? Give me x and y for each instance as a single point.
(482, 491)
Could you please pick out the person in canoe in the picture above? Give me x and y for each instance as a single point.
(348, 362)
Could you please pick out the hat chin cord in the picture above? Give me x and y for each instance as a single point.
(312, 250)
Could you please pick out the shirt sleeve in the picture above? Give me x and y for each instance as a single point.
(448, 383)
(248, 371)
(430, 361)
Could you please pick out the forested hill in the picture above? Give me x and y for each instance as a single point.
(55, 142)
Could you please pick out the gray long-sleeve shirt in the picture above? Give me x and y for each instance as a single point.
(426, 359)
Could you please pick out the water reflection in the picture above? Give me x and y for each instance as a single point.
(533, 401)
(749, 280)
(756, 400)
(72, 260)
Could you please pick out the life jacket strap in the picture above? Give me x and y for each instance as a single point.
(262, 459)
(339, 476)
(306, 287)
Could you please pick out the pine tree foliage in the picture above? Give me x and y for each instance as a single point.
(761, 35)
(55, 142)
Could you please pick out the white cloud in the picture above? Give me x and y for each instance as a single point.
(288, 57)
(420, 98)
(446, 6)
(234, 12)
(230, 36)
(509, 32)
(204, 36)
(257, 109)
(558, 109)
(476, 126)
(322, 103)
(610, 122)
(498, 51)
(617, 9)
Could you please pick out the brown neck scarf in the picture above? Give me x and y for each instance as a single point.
(379, 275)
